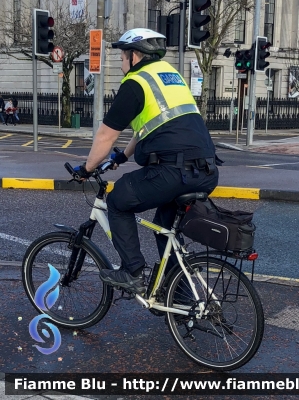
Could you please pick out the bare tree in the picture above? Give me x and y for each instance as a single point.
(223, 15)
(71, 35)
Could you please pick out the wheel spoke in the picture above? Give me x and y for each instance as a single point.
(86, 299)
(229, 331)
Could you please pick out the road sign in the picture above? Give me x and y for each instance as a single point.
(268, 82)
(57, 68)
(95, 46)
(270, 88)
(57, 54)
(241, 76)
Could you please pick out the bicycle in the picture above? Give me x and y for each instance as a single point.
(211, 308)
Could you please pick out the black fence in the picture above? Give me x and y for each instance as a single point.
(283, 113)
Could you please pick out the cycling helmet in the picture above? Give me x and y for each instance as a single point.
(144, 40)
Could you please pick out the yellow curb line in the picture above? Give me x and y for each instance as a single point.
(48, 184)
(224, 191)
(267, 278)
(23, 183)
(236, 192)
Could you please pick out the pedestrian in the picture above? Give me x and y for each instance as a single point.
(2, 108)
(9, 110)
(15, 104)
(171, 143)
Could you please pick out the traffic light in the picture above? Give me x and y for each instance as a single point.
(196, 34)
(245, 59)
(43, 35)
(261, 53)
(169, 26)
(227, 53)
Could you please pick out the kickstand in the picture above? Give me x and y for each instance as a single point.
(123, 297)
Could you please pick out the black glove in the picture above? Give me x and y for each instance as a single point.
(119, 158)
(81, 171)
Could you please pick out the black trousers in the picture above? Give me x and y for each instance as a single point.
(153, 186)
(12, 118)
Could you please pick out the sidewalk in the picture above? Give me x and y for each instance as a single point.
(19, 169)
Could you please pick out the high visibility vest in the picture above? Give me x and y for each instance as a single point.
(167, 96)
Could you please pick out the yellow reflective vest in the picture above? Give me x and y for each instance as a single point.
(167, 96)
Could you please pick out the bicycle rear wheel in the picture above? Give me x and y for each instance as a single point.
(86, 300)
(230, 329)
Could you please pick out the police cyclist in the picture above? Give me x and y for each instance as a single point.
(170, 142)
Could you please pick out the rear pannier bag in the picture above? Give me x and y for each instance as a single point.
(217, 227)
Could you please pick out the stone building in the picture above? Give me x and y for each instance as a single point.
(278, 22)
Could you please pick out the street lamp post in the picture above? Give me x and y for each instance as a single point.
(232, 101)
(98, 96)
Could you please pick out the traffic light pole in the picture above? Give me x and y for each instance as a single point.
(251, 108)
(183, 8)
(232, 100)
(98, 97)
(34, 87)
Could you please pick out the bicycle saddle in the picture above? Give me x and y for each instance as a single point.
(184, 198)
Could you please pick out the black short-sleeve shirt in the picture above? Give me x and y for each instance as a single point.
(181, 133)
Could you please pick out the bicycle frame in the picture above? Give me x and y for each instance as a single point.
(98, 214)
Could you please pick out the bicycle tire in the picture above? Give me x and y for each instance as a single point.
(223, 339)
(70, 310)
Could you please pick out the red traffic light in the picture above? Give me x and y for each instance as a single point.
(200, 5)
(266, 45)
(50, 22)
(239, 55)
(248, 54)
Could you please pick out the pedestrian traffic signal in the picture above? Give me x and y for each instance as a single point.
(249, 56)
(239, 64)
(262, 53)
(42, 35)
(197, 20)
(245, 59)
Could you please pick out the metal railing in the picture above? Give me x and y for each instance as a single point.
(283, 113)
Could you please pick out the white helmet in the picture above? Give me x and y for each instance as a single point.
(143, 40)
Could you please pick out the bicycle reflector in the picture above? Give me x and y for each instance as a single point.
(252, 257)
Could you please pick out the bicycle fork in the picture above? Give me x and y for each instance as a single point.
(78, 254)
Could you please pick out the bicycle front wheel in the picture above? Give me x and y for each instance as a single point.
(82, 303)
(229, 323)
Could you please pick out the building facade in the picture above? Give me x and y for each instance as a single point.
(279, 23)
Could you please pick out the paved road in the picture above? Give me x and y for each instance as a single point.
(130, 339)
(28, 214)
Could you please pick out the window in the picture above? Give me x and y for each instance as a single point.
(79, 79)
(240, 27)
(269, 19)
(213, 85)
(17, 20)
(153, 14)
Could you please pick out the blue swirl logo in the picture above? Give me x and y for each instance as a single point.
(45, 299)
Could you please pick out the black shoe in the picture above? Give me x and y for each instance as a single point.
(124, 280)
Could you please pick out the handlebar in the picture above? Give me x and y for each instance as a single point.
(101, 169)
